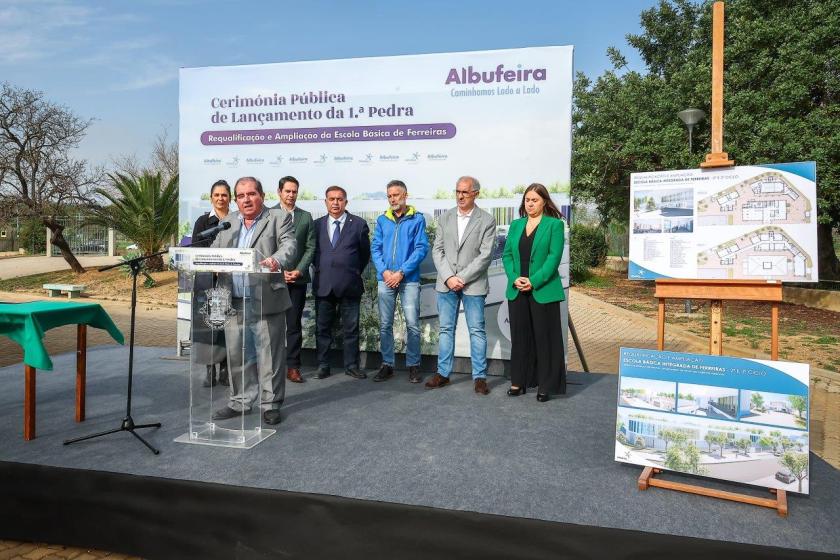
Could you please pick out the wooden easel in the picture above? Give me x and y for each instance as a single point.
(718, 290)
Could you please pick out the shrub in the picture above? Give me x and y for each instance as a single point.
(588, 247)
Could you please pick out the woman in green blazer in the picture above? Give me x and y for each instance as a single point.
(533, 250)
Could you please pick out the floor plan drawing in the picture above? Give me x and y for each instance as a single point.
(768, 198)
(767, 253)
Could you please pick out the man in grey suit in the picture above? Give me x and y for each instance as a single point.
(297, 277)
(259, 302)
(462, 253)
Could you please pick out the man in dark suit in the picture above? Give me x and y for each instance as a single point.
(342, 251)
(298, 276)
(256, 335)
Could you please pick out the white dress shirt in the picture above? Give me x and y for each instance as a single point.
(463, 220)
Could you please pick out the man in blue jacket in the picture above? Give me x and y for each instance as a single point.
(399, 246)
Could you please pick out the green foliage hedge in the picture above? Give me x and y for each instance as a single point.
(588, 248)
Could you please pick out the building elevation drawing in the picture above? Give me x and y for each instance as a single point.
(767, 253)
(768, 198)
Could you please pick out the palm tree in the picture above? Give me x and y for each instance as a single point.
(143, 210)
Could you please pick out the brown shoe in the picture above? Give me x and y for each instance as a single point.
(481, 386)
(293, 375)
(437, 382)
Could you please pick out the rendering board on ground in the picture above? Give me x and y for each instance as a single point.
(733, 419)
(750, 223)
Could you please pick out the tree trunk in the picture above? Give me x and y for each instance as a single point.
(58, 240)
(155, 264)
(827, 258)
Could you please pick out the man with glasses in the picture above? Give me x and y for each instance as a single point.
(462, 253)
(260, 302)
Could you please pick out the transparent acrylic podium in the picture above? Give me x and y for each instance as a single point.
(226, 326)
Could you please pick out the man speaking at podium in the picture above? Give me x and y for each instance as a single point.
(272, 235)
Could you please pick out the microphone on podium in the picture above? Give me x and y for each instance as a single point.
(213, 230)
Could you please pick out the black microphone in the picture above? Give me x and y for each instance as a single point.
(213, 230)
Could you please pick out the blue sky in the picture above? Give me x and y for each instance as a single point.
(117, 62)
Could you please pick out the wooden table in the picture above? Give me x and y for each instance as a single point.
(26, 323)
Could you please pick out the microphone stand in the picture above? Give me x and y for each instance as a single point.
(128, 424)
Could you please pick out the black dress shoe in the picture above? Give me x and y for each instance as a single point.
(322, 373)
(516, 392)
(543, 397)
(224, 378)
(227, 413)
(272, 417)
(353, 372)
(385, 372)
(414, 375)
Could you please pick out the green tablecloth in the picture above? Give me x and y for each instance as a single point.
(25, 323)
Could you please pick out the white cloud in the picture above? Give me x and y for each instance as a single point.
(49, 33)
(154, 71)
(36, 29)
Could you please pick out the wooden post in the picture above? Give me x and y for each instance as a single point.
(660, 326)
(81, 370)
(774, 331)
(716, 328)
(29, 403)
(717, 157)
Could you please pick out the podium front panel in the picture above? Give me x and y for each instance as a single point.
(230, 349)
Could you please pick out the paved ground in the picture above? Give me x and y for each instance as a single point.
(25, 266)
(11, 550)
(603, 328)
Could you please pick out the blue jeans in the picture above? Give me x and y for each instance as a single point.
(409, 293)
(448, 304)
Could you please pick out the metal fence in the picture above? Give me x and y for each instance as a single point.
(83, 237)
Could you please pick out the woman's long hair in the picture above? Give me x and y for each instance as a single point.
(549, 208)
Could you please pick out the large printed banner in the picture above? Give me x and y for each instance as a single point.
(751, 223)
(735, 419)
(502, 116)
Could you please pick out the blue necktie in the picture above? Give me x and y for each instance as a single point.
(336, 233)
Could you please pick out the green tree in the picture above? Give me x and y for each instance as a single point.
(674, 459)
(799, 404)
(797, 464)
(743, 446)
(766, 442)
(785, 443)
(143, 210)
(672, 436)
(757, 401)
(709, 439)
(775, 440)
(780, 96)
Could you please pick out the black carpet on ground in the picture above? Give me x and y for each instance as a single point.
(495, 469)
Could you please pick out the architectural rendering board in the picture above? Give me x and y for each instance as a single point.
(733, 419)
(751, 223)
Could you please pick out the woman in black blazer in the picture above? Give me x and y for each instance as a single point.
(209, 346)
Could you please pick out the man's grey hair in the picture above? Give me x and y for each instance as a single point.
(397, 183)
(476, 186)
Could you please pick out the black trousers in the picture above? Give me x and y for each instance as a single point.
(294, 328)
(536, 345)
(325, 315)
